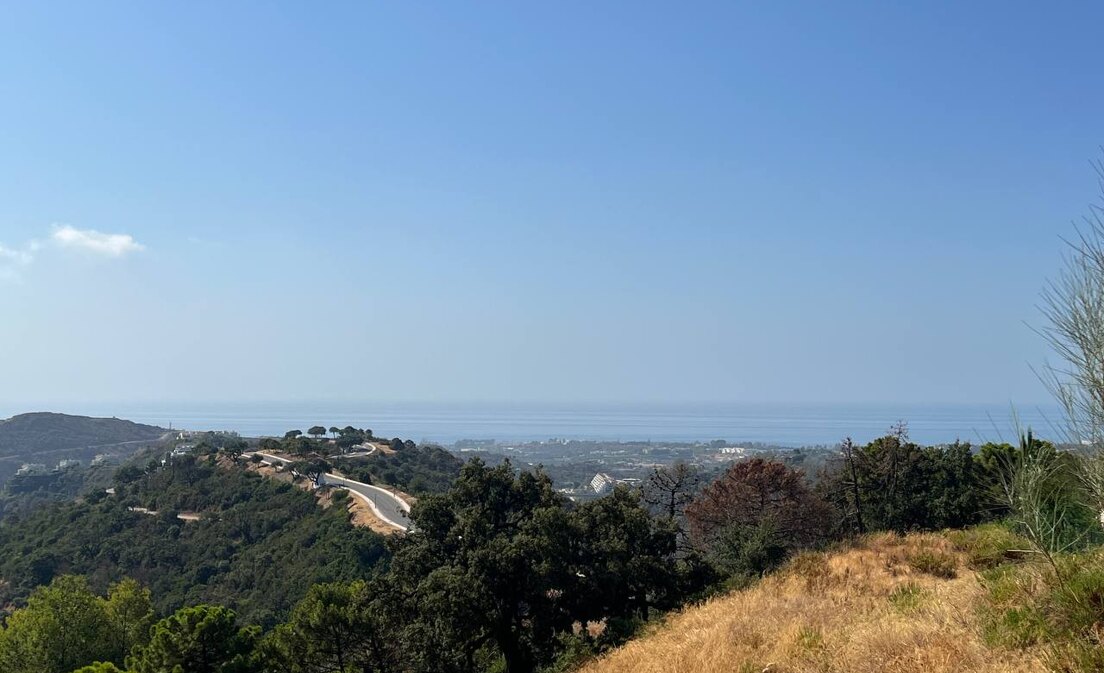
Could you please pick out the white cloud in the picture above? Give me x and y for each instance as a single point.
(110, 245)
(17, 257)
(13, 261)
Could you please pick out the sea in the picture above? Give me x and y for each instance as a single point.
(778, 424)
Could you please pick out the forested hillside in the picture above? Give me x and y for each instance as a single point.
(257, 546)
(22, 495)
(414, 469)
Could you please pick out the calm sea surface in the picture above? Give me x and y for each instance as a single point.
(793, 425)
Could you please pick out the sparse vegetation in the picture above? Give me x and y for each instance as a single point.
(934, 562)
(908, 596)
(862, 608)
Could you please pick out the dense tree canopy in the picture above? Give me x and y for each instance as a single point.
(335, 628)
(65, 625)
(200, 639)
(489, 562)
(625, 556)
(760, 494)
(500, 565)
(257, 547)
(894, 484)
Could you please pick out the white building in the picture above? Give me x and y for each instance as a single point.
(602, 483)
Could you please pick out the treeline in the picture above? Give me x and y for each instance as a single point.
(257, 546)
(402, 464)
(759, 512)
(415, 469)
(340, 440)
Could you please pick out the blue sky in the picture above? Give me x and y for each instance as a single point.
(725, 202)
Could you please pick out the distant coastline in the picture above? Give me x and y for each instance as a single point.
(787, 425)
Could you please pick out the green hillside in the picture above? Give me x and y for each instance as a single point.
(257, 545)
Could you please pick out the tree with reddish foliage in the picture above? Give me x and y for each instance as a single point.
(756, 514)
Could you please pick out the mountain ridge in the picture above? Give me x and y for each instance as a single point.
(39, 431)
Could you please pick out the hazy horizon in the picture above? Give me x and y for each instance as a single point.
(757, 204)
(780, 424)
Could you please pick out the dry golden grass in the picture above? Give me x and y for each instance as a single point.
(383, 447)
(869, 608)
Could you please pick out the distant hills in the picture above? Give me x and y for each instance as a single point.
(47, 438)
(42, 431)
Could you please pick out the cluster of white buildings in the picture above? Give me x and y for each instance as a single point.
(40, 469)
(31, 470)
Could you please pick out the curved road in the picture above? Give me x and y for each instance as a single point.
(390, 508)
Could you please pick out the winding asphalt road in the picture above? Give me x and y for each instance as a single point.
(390, 508)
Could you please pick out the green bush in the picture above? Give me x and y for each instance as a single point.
(744, 551)
(1010, 618)
(1077, 603)
(1031, 605)
(987, 546)
(935, 563)
(908, 597)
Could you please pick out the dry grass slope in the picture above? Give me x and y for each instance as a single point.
(892, 604)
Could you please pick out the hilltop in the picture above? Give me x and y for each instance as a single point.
(43, 431)
(47, 438)
(897, 604)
